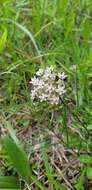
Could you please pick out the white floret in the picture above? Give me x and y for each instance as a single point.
(62, 75)
(40, 72)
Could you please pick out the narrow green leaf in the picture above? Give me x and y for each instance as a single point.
(62, 5)
(27, 32)
(11, 132)
(18, 158)
(3, 39)
(86, 29)
(70, 25)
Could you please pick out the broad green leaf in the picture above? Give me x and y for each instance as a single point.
(9, 182)
(89, 145)
(59, 186)
(3, 39)
(3, 1)
(89, 173)
(80, 183)
(89, 127)
(18, 158)
(86, 159)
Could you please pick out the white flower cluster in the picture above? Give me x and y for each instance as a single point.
(47, 85)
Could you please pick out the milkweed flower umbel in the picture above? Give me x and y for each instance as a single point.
(48, 86)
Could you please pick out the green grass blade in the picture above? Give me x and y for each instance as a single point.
(38, 183)
(49, 173)
(3, 40)
(27, 32)
(48, 168)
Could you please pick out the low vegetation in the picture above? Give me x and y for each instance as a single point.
(46, 95)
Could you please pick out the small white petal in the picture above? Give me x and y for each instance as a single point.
(40, 72)
(62, 75)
